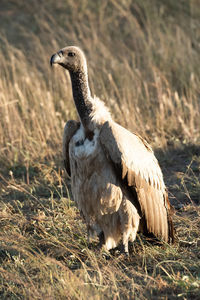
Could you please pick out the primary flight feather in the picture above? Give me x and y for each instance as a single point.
(116, 180)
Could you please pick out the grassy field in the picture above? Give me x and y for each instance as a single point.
(144, 62)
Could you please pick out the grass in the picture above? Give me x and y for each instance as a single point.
(144, 63)
(45, 254)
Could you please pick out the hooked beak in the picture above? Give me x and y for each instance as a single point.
(56, 58)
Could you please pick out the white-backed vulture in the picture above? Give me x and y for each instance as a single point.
(116, 180)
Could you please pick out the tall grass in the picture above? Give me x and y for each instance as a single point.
(143, 58)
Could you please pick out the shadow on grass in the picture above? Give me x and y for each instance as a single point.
(181, 169)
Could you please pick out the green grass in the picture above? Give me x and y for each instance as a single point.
(144, 63)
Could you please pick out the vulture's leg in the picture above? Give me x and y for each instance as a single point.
(93, 230)
(125, 240)
(129, 219)
(101, 239)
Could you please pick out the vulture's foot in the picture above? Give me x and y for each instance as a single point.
(124, 251)
(105, 253)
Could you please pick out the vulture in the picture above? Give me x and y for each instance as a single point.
(116, 180)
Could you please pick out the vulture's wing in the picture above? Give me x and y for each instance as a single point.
(136, 165)
(70, 128)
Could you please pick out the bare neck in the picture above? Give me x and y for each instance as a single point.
(82, 96)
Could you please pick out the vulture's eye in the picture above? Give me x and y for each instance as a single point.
(71, 54)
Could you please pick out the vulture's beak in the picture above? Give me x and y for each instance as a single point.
(56, 58)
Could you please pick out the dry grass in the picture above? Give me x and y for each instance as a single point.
(144, 63)
(45, 255)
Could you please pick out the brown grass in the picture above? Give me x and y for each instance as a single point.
(144, 63)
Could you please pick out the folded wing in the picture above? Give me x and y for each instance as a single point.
(70, 128)
(138, 169)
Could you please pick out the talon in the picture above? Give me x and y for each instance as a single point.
(105, 254)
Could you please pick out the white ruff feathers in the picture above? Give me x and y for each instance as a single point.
(100, 113)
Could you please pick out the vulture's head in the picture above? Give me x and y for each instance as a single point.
(71, 58)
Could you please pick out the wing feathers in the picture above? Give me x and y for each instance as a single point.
(136, 165)
(152, 204)
(70, 128)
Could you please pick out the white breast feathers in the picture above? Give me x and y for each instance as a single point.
(82, 146)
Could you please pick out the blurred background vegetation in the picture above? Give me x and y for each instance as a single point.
(144, 62)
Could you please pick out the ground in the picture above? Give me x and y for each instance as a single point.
(45, 254)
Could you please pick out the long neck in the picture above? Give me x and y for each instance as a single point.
(81, 94)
